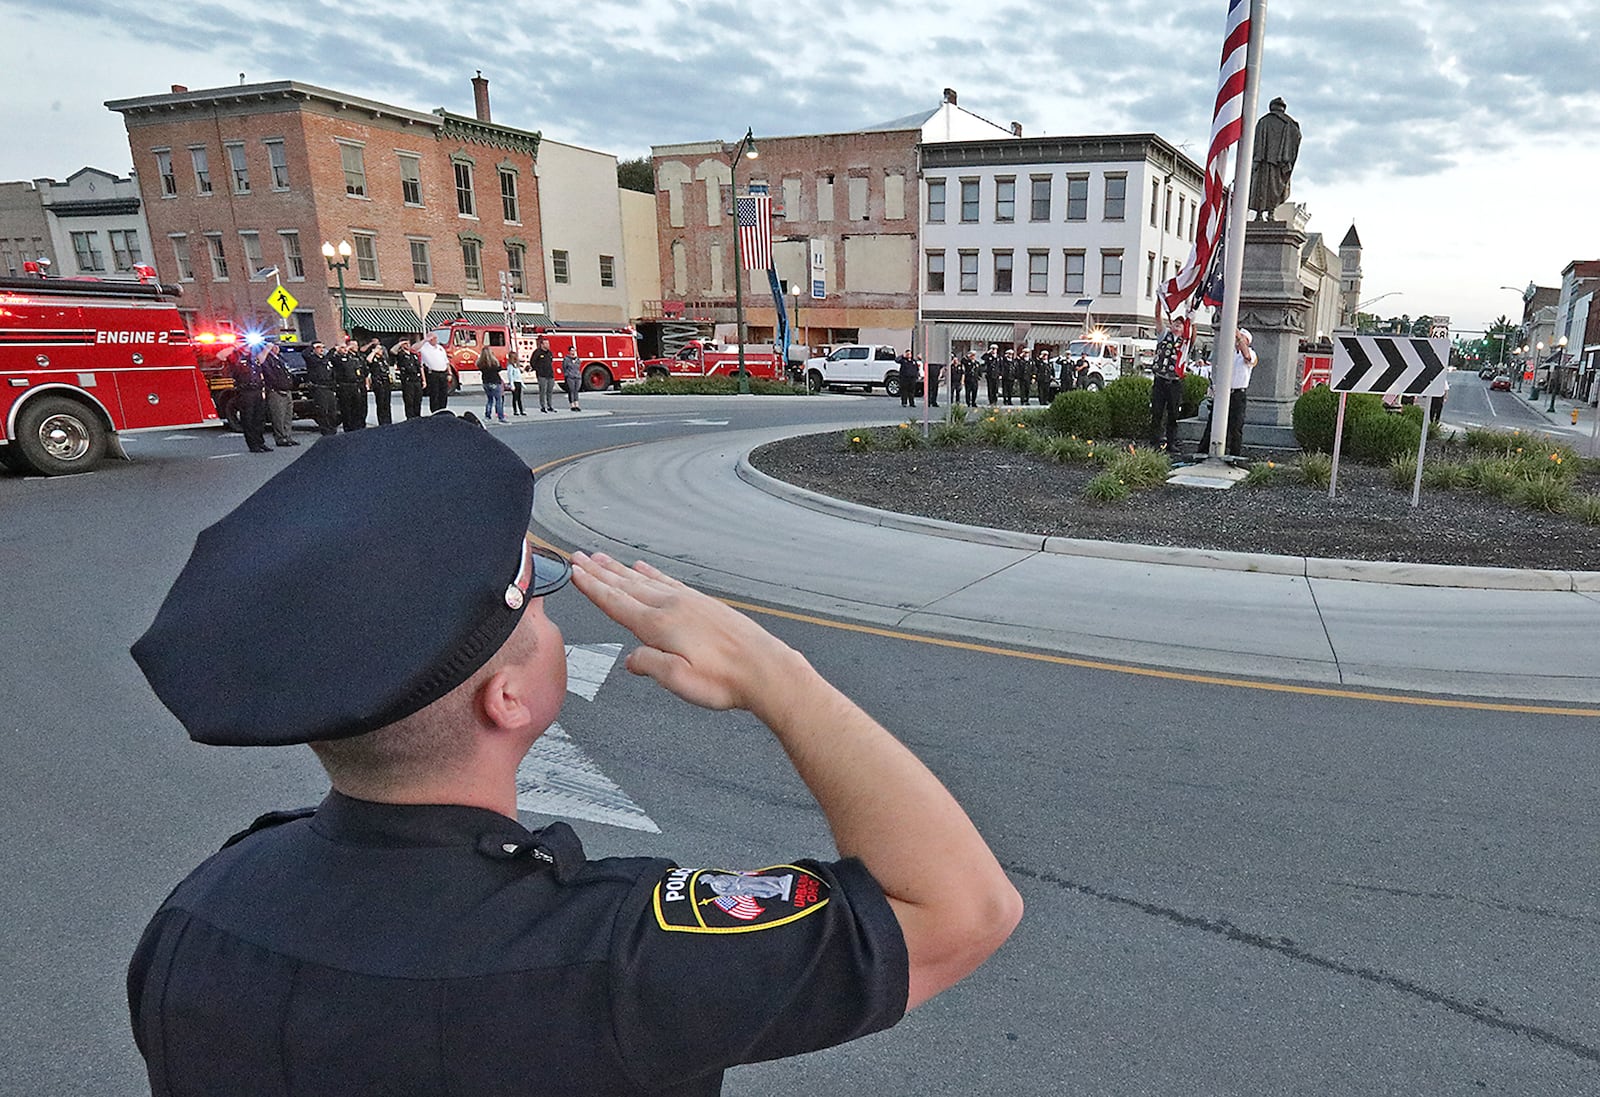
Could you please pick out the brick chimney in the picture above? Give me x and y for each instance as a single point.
(950, 96)
(480, 96)
(178, 89)
(1016, 129)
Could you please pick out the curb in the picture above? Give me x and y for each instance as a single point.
(1308, 567)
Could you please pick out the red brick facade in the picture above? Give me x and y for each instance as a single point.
(858, 300)
(315, 127)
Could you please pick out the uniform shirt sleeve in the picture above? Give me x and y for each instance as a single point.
(712, 968)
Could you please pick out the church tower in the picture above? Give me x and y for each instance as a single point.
(1349, 277)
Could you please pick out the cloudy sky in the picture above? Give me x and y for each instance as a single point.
(1453, 133)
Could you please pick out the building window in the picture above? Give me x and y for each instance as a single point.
(1005, 199)
(1077, 198)
(421, 266)
(238, 170)
(465, 205)
(516, 266)
(969, 200)
(278, 160)
(1181, 204)
(935, 200)
(472, 263)
(219, 260)
(1155, 204)
(1166, 214)
(125, 248)
(180, 256)
(1073, 285)
(1038, 272)
(858, 198)
(1150, 275)
(608, 271)
(1002, 272)
(1039, 209)
(1111, 273)
(294, 263)
(169, 181)
(559, 269)
(367, 256)
(508, 196)
(202, 170)
(253, 262)
(411, 179)
(969, 272)
(354, 161)
(935, 272)
(90, 259)
(1116, 197)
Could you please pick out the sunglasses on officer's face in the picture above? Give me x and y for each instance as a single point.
(543, 571)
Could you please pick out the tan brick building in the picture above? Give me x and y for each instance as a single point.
(845, 216)
(238, 179)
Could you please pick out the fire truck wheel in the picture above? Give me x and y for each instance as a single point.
(1096, 382)
(596, 377)
(58, 436)
(656, 374)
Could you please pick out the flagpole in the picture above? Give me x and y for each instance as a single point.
(1233, 254)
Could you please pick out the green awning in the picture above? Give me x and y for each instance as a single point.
(388, 321)
(981, 333)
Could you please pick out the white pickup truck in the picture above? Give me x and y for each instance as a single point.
(855, 365)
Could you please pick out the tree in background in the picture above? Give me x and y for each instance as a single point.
(636, 174)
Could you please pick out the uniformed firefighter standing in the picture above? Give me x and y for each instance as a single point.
(376, 362)
(991, 374)
(1008, 374)
(1024, 371)
(410, 935)
(280, 394)
(324, 401)
(970, 378)
(349, 381)
(250, 397)
(409, 367)
(1043, 375)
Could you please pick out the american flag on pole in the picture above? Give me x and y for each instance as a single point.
(1227, 121)
(753, 213)
(741, 907)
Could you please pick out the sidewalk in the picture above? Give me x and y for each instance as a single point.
(684, 505)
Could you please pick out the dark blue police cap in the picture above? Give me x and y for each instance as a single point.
(366, 580)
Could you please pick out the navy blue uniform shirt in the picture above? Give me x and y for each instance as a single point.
(396, 950)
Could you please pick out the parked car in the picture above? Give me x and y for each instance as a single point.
(1501, 383)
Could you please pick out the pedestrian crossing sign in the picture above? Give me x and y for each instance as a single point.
(283, 302)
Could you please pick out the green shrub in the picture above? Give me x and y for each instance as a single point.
(1106, 488)
(1083, 412)
(861, 439)
(1064, 448)
(949, 435)
(1492, 475)
(1379, 439)
(1128, 400)
(1316, 416)
(1586, 509)
(1403, 470)
(993, 428)
(957, 415)
(1545, 493)
(1448, 475)
(1413, 413)
(1316, 469)
(1195, 388)
(1143, 468)
(907, 436)
(1019, 437)
(1263, 474)
(710, 386)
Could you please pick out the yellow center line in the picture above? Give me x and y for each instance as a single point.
(1117, 668)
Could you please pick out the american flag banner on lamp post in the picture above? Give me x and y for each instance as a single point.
(753, 214)
(1227, 121)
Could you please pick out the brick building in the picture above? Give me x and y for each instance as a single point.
(845, 216)
(240, 179)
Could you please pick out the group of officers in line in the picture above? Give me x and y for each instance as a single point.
(338, 381)
(1008, 376)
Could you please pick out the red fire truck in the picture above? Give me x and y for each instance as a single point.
(609, 356)
(702, 359)
(82, 360)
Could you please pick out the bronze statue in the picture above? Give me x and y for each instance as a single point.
(1276, 149)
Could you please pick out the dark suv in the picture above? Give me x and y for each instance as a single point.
(293, 355)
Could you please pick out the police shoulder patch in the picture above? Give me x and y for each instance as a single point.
(714, 900)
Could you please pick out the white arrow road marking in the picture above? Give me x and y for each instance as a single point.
(706, 422)
(629, 423)
(558, 778)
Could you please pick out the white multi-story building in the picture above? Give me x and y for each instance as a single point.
(1026, 240)
(97, 224)
(582, 229)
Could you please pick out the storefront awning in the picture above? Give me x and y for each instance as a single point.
(981, 333)
(387, 321)
(1054, 333)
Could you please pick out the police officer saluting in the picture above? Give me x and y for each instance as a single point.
(249, 385)
(375, 360)
(409, 935)
(324, 402)
(349, 381)
(991, 373)
(409, 367)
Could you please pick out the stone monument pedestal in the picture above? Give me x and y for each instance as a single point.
(1273, 307)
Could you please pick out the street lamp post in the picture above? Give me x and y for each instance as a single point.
(745, 148)
(1552, 372)
(794, 288)
(343, 252)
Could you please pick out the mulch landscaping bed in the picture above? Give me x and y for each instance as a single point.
(1370, 520)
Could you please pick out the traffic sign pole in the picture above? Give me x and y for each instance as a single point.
(1338, 444)
(1422, 452)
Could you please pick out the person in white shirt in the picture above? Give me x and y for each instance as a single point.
(1244, 361)
(436, 365)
